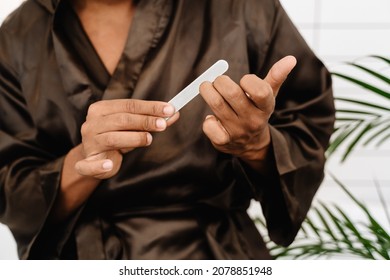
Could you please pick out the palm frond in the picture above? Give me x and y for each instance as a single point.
(331, 232)
(358, 112)
(363, 104)
(382, 200)
(364, 85)
(381, 58)
(342, 135)
(357, 132)
(365, 129)
(376, 135)
(360, 122)
(371, 72)
(383, 140)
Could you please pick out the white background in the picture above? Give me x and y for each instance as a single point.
(338, 31)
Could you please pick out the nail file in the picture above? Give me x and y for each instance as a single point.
(192, 90)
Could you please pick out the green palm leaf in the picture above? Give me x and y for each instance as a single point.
(368, 126)
(381, 58)
(342, 135)
(363, 84)
(335, 233)
(377, 134)
(373, 73)
(363, 104)
(383, 140)
(358, 112)
(367, 122)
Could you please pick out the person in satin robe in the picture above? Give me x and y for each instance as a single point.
(90, 168)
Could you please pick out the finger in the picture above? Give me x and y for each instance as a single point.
(233, 94)
(173, 119)
(279, 72)
(216, 102)
(94, 168)
(132, 106)
(259, 91)
(125, 151)
(215, 131)
(124, 122)
(120, 140)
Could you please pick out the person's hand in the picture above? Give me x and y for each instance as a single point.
(114, 127)
(240, 124)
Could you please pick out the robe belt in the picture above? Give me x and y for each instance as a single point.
(212, 221)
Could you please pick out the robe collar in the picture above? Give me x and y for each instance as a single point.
(148, 27)
(50, 5)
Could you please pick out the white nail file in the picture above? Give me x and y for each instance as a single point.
(192, 90)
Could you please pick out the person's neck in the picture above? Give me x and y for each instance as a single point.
(107, 23)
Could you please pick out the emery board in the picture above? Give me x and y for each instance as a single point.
(192, 90)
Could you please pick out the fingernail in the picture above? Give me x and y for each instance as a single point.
(208, 116)
(168, 110)
(108, 165)
(149, 139)
(161, 123)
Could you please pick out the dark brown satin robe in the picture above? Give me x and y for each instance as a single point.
(178, 198)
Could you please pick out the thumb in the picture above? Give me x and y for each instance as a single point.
(94, 168)
(279, 72)
(101, 166)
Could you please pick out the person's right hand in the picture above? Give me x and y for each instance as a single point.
(114, 127)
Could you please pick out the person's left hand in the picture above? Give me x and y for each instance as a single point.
(240, 124)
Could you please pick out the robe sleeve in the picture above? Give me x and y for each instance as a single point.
(29, 174)
(300, 126)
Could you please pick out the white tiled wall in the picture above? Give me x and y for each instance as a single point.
(342, 29)
(338, 31)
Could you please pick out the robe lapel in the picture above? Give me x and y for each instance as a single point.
(74, 78)
(149, 23)
(50, 5)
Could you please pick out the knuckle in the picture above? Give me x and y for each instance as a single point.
(148, 123)
(110, 141)
(229, 88)
(265, 91)
(217, 103)
(79, 167)
(93, 109)
(156, 109)
(84, 130)
(222, 79)
(141, 139)
(221, 139)
(253, 122)
(125, 120)
(248, 78)
(130, 106)
(204, 86)
(261, 89)
(262, 94)
(254, 125)
(239, 132)
(234, 91)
